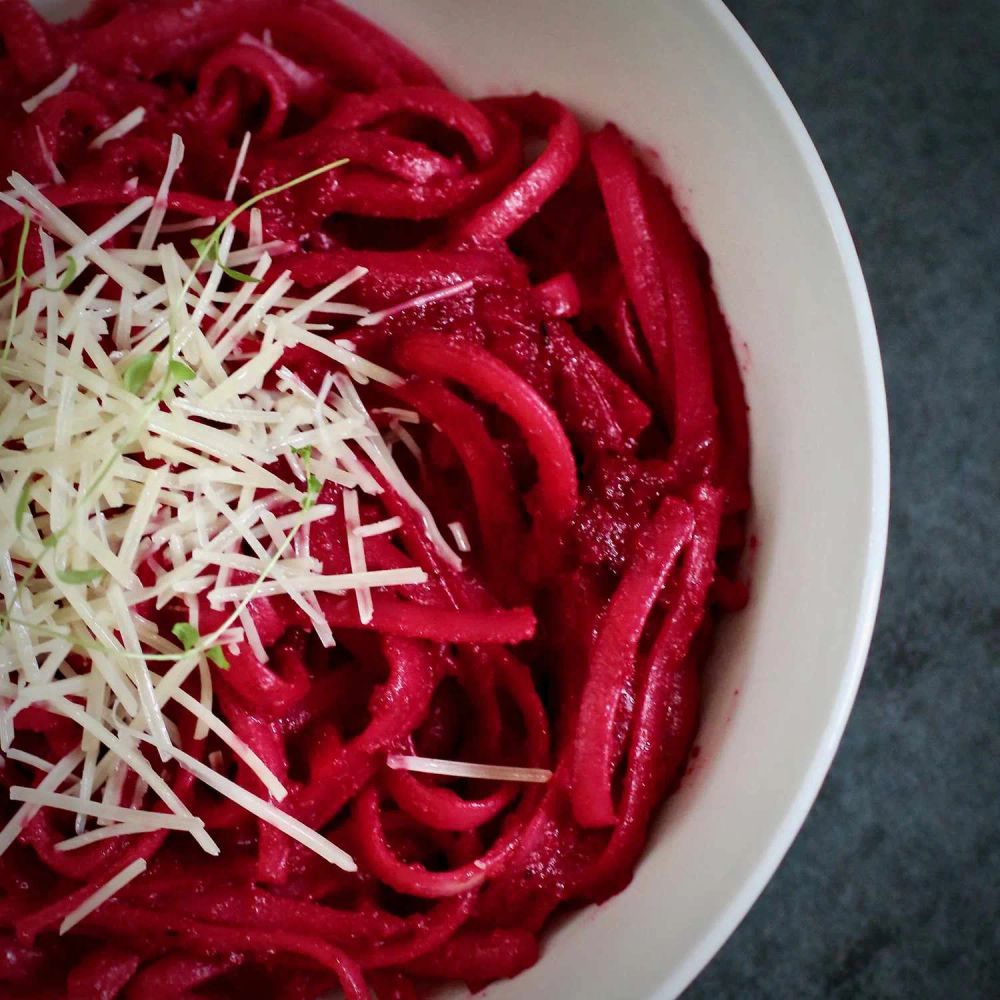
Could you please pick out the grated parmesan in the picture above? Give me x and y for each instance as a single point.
(160, 496)
(84, 910)
(458, 532)
(420, 300)
(57, 86)
(460, 769)
(120, 128)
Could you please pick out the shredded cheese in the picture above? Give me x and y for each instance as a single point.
(420, 300)
(356, 553)
(258, 807)
(59, 773)
(57, 86)
(84, 910)
(70, 803)
(149, 424)
(460, 769)
(48, 159)
(102, 833)
(458, 532)
(121, 127)
(241, 159)
(378, 527)
(23, 757)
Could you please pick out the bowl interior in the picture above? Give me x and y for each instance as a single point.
(684, 80)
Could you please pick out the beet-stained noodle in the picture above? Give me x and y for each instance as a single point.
(568, 401)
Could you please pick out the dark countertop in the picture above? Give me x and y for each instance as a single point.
(892, 889)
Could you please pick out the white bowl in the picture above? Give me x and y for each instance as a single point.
(684, 79)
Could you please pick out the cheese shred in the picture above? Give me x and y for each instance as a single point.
(102, 895)
(460, 769)
(152, 421)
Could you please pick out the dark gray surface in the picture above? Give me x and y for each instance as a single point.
(893, 887)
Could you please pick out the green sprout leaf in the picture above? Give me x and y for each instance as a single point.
(186, 634)
(136, 375)
(21, 248)
(67, 278)
(24, 498)
(80, 575)
(207, 247)
(17, 278)
(208, 250)
(69, 274)
(180, 372)
(313, 486)
(241, 276)
(305, 452)
(216, 655)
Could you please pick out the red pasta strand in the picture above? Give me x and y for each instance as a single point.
(614, 656)
(581, 417)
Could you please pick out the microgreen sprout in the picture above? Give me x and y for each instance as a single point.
(17, 277)
(215, 654)
(23, 499)
(209, 247)
(22, 245)
(80, 576)
(179, 371)
(313, 486)
(137, 373)
(187, 635)
(64, 282)
(190, 640)
(208, 250)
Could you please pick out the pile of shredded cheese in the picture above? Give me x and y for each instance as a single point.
(138, 435)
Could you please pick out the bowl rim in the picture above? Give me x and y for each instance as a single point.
(785, 831)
